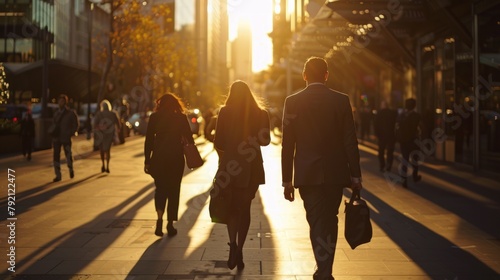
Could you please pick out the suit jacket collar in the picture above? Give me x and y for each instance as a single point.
(314, 85)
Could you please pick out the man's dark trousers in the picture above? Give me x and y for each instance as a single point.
(383, 146)
(57, 156)
(321, 203)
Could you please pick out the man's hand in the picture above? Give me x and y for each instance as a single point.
(289, 191)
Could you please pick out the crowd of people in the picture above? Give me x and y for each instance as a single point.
(318, 161)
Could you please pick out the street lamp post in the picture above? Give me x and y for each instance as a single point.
(89, 100)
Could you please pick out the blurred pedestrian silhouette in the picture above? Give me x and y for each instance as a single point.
(124, 109)
(66, 123)
(320, 151)
(365, 116)
(242, 127)
(27, 135)
(408, 128)
(106, 128)
(385, 124)
(164, 157)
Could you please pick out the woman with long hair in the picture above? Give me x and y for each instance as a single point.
(106, 124)
(242, 127)
(167, 130)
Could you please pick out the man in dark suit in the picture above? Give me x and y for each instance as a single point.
(66, 120)
(385, 123)
(320, 151)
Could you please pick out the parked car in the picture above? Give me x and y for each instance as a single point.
(36, 110)
(195, 119)
(139, 122)
(10, 118)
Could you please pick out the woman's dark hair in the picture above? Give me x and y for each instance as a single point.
(170, 103)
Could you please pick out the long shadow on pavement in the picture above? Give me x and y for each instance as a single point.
(437, 256)
(167, 251)
(475, 211)
(28, 199)
(56, 261)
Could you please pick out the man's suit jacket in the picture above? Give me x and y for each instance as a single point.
(68, 124)
(319, 144)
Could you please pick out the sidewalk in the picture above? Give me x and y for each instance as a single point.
(100, 226)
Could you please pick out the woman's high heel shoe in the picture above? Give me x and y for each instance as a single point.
(240, 263)
(233, 257)
(159, 225)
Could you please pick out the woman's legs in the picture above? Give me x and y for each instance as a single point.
(173, 194)
(239, 222)
(103, 168)
(108, 158)
(160, 202)
(168, 189)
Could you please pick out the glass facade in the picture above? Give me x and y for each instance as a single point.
(22, 28)
(448, 94)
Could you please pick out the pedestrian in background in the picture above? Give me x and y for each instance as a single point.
(242, 127)
(408, 129)
(66, 123)
(320, 151)
(27, 135)
(365, 117)
(167, 130)
(106, 128)
(385, 124)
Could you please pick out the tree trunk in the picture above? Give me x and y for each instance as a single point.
(109, 59)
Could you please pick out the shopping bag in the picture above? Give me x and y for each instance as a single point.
(358, 228)
(192, 155)
(220, 203)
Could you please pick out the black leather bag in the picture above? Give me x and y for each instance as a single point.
(220, 204)
(358, 228)
(192, 155)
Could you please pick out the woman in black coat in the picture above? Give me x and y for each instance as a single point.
(164, 157)
(242, 127)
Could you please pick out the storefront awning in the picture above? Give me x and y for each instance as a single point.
(63, 77)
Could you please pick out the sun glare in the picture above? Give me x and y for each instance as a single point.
(259, 14)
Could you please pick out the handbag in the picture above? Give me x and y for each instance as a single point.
(358, 228)
(192, 155)
(220, 203)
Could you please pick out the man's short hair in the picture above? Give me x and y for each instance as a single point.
(63, 96)
(410, 103)
(315, 69)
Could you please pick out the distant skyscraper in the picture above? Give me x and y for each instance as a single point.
(212, 40)
(241, 54)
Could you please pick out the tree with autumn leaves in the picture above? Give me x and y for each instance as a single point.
(144, 58)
